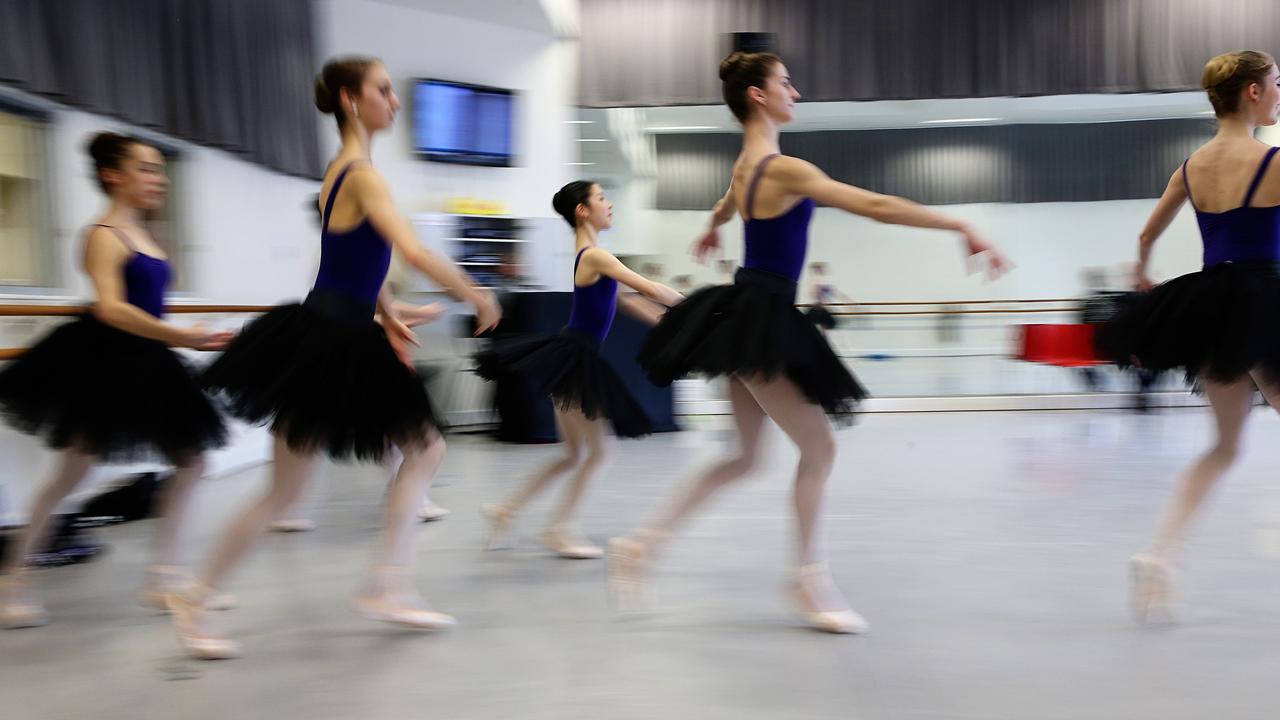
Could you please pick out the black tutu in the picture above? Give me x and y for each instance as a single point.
(750, 328)
(117, 395)
(326, 378)
(1219, 323)
(568, 367)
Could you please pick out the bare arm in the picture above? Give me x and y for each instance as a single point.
(646, 311)
(805, 179)
(709, 242)
(104, 260)
(375, 199)
(723, 210)
(1175, 194)
(602, 261)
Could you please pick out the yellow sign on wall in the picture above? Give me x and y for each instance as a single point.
(475, 206)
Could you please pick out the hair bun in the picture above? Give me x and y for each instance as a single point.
(730, 65)
(562, 203)
(568, 198)
(104, 146)
(1219, 70)
(1226, 76)
(324, 98)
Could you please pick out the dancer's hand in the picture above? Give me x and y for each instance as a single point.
(415, 315)
(707, 245)
(402, 339)
(487, 312)
(199, 337)
(1141, 281)
(978, 247)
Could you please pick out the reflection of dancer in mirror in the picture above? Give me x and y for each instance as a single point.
(329, 379)
(587, 394)
(1218, 325)
(724, 271)
(106, 386)
(824, 293)
(779, 365)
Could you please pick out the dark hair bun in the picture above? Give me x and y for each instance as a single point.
(566, 201)
(324, 98)
(108, 150)
(562, 203)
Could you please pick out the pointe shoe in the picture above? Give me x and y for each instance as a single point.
(566, 543)
(1151, 589)
(293, 525)
(20, 607)
(430, 512)
(391, 598)
(163, 580)
(840, 622)
(627, 570)
(187, 610)
(399, 609)
(499, 519)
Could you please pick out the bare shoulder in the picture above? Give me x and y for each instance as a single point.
(366, 182)
(787, 167)
(100, 239)
(597, 255)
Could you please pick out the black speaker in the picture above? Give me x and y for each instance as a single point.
(752, 42)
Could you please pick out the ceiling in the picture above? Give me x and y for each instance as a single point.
(522, 14)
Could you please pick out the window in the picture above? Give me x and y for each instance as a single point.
(23, 210)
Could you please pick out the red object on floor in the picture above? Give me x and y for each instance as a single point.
(1061, 345)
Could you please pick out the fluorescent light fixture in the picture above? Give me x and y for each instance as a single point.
(593, 139)
(960, 120)
(1205, 112)
(580, 163)
(680, 128)
(579, 122)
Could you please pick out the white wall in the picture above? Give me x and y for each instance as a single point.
(635, 223)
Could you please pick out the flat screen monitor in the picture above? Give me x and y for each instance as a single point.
(462, 123)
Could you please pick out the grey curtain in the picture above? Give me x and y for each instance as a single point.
(938, 166)
(667, 52)
(233, 74)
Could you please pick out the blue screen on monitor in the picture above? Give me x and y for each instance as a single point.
(455, 122)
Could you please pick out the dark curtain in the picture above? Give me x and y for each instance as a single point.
(667, 52)
(232, 74)
(938, 166)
